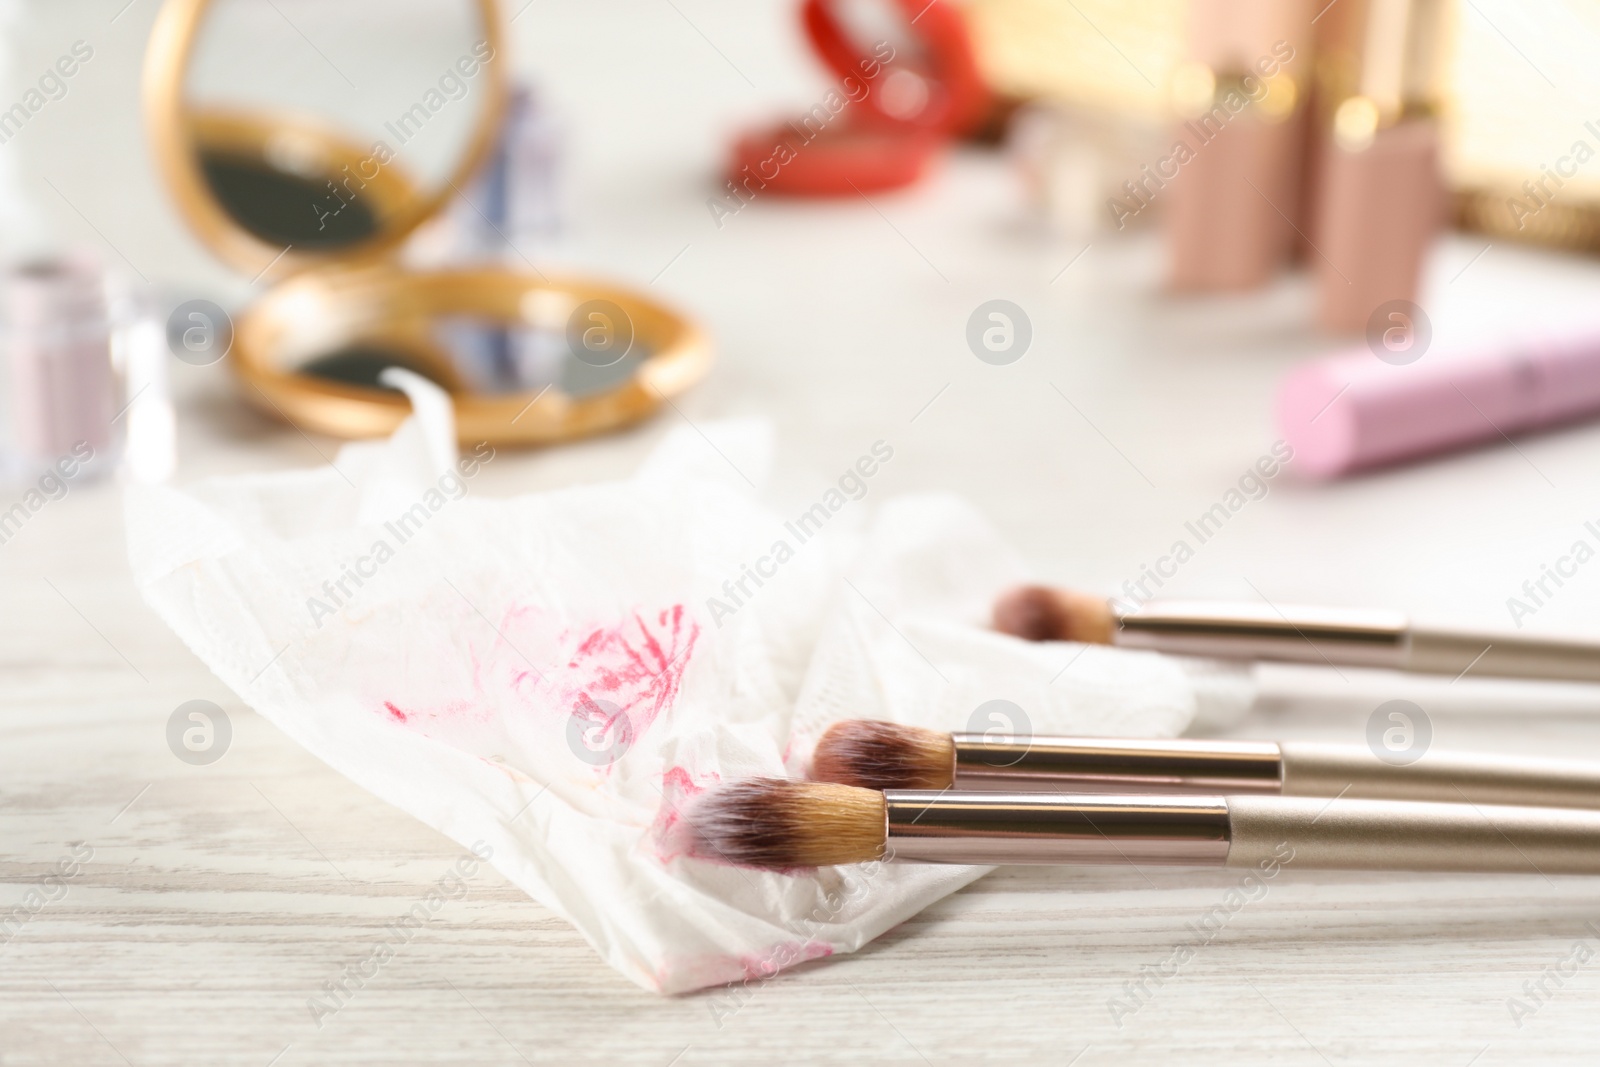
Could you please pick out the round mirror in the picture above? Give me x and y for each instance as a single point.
(304, 140)
(315, 345)
(296, 132)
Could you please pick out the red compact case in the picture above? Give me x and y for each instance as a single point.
(908, 83)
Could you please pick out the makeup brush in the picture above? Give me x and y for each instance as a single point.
(779, 824)
(884, 755)
(1335, 636)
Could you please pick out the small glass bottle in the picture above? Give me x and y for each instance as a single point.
(76, 359)
(62, 387)
(511, 206)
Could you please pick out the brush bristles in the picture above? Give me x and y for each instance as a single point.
(884, 755)
(780, 824)
(1039, 613)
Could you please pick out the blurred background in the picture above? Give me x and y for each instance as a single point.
(1173, 208)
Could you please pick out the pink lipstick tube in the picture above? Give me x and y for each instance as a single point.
(1353, 412)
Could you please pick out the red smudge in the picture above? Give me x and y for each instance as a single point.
(677, 780)
(635, 668)
(768, 963)
(677, 788)
(698, 970)
(429, 721)
(617, 679)
(526, 683)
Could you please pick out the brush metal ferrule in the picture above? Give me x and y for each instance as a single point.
(932, 826)
(1262, 631)
(1105, 765)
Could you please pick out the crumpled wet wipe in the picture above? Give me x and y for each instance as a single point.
(548, 678)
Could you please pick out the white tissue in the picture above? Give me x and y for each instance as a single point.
(473, 676)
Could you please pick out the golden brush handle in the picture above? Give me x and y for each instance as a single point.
(1317, 770)
(1375, 835)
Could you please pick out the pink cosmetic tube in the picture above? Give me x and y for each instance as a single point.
(1353, 412)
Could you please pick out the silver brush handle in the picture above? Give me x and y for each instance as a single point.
(1243, 831)
(1229, 768)
(1261, 631)
(1386, 835)
(945, 827)
(1114, 765)
(1349, 638)
(1318, 770)
(1454, 653)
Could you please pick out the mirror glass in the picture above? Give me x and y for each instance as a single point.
(486, 334)
(320, 125)
(474, 354)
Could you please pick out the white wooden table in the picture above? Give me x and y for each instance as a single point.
(217, 900)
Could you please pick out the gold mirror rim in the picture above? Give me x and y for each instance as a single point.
(172, 41)
(679, 356)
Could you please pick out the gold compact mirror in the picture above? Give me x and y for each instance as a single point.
(305, 142)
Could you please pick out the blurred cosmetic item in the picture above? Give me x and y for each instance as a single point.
(1075, 164)
(512, 205)
(139, 351)
(63, 385)
(1234, 167)
(79, 355)
(1522, 162)
(1380, 189)
(59, 375)
(1354, 412)
(509, 210)
(495, 358)
(1525, 160)
(1522, 213)
(317, 196)
(1104, 55)
(905, 83)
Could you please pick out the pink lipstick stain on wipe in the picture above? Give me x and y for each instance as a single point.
(435, 722)
(637, 666)
(714, 969)
(616, 678)
(678, 787)
(790, 953)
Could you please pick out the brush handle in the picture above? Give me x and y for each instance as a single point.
(1341, 637)
(1374, 835)
(1263, 631)
(1232, 768)
(1241, 831)
(1451, 652)
(1114, 765)
(939, 826)
(1318, 770)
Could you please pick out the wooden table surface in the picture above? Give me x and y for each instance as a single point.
(166, 913)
